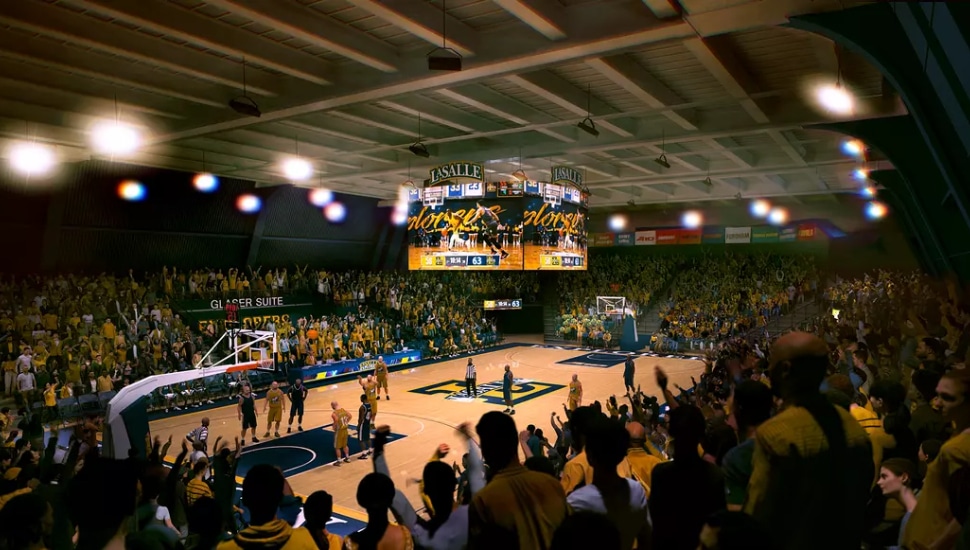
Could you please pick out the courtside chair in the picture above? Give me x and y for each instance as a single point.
(89, 403)
(68, 409)
(104, 398)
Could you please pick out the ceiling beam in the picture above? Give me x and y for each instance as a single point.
(317, 29)
(725, 145)
(181, 24)
(434, 111)
(541, 15)
(726, 17)
(727, 69)
(61, 24)
(496, 104)
(409, 82)
(663, 9)
(95, 66)
(423, 20)
(798, 157)
(61, 98)
(638, 82)
(825, 54)
(553, 88)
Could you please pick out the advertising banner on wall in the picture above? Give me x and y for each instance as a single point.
(737, 235)
(689, 236)
(764, 234)
(603, 239)
(323, 371)
(646, 238)
(668, 236)
(625, 239)
(713, 235)
(788, 234)
(807, 231)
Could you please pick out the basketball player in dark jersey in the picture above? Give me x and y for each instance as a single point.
(490, 228)
(246, 411)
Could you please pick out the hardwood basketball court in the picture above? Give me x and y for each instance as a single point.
(428, 416)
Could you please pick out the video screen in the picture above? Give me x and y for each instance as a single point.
(554, 229)
(465, 227)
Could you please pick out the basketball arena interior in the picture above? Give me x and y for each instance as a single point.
(547, 274)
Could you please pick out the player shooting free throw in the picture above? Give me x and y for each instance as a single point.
(491, 225)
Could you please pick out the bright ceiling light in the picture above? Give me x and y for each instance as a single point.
(249, 204)
(335, 212)
(115, 138)
(760, 208)
(835, 99)
(692, 219)
(860, 174)
(31, 159)
(778, 215)
(876, 210)
(205, 183)
(853, 147)
(321, 197)
(131, 191)
(868, 192)
(297, 169)
(617, 222)
(399, 218)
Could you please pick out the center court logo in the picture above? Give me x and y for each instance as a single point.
(491, 392)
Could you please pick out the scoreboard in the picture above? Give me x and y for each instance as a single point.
(561, 261)
(504, 304)
(461, 261)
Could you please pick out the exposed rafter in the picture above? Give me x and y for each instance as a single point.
(541, 15)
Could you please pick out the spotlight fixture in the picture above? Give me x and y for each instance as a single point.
(853, 147)
(692, 219)
(244, 104)
(617, 222)
(297, 169)
(760, 208)
(587, 125)
(115, 138)
(708, 182)
(876, 210)
(778, 216)
(662, 159)
(444, 58)
(419, 149)
(31, 159)
(835, 99)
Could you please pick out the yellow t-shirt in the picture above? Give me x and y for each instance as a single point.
(275, 398)
(931, 517)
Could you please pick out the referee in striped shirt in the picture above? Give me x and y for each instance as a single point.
(471, 389)
(200, 435)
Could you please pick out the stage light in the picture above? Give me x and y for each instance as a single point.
(868, 192)
(876, 210)
(206, 183)
(335, 212)
(321, 197)
(131, 191)
(115, 138)
(692, 219)
(249, 204)
(835, 99)
(617, 222)
(778, 216)
(297, 169)
(399, 217)
(31, 159)
(861, 174)
(760, 208)
(853, 147)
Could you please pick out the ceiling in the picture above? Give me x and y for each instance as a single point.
(716, 85)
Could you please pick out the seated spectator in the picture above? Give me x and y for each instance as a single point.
(26, 523)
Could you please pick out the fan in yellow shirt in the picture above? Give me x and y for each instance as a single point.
(932, 524)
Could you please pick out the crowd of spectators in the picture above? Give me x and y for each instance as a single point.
(852, 434)
(723, 295)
